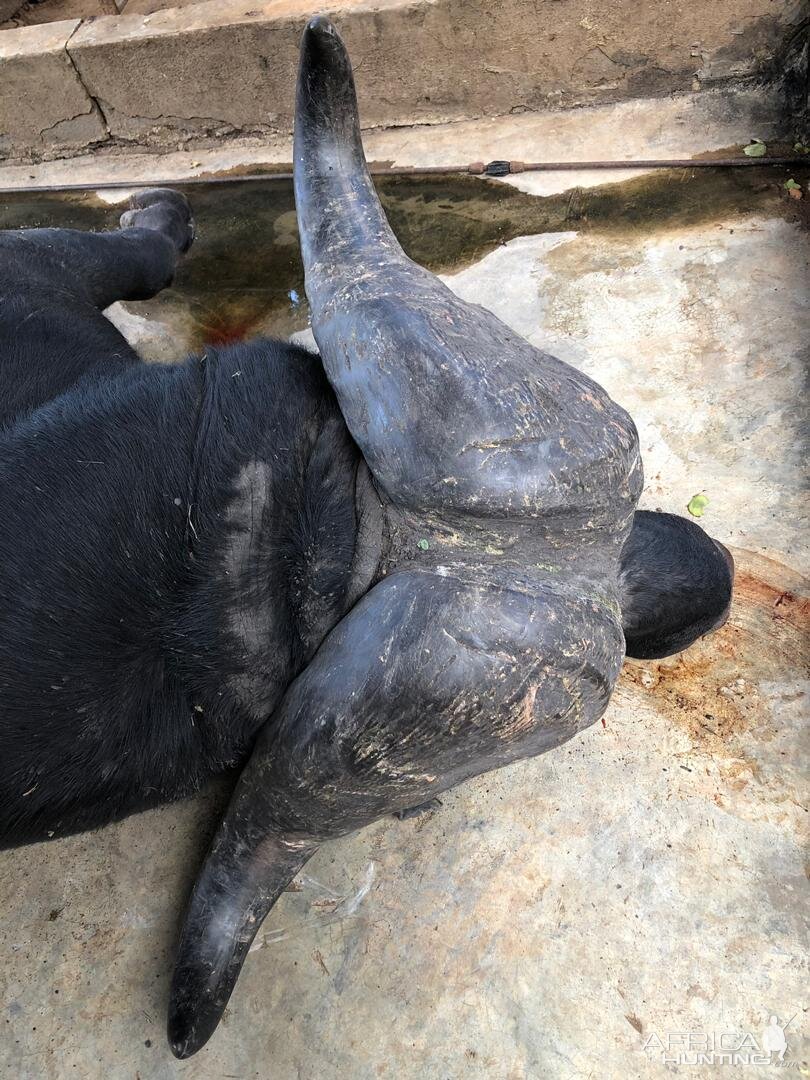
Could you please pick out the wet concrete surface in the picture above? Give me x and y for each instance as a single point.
(244, 277)
(557, 917)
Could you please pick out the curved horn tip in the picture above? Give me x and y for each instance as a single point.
(320, 25)
(196, 1005)
(189, 1032)
(227, 907)
(322, 48)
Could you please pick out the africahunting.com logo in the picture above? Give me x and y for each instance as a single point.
(770, 1047)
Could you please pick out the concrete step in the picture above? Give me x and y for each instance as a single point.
(210, 72)
(682, 126)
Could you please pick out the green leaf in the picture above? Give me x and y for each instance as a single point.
(791, 185)
(801, 148)
(755, 149)
(697, 504)
(423, 544)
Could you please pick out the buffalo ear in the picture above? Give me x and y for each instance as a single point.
(675, 585)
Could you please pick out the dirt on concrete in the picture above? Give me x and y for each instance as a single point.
(14, 14)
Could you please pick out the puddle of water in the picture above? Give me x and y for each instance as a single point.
(244, 277)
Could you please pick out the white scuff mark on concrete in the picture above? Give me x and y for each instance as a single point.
(114, 196)
(333, 908)
(151, 339)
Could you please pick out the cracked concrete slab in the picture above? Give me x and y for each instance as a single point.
(43, 103)
(36, 12)
(220, 69)
(555, 918)
(9, 8)
(199, 74)
(681, 126)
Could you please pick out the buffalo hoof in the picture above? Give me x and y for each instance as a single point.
(164, 211)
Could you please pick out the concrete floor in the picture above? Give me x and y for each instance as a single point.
(551, 919)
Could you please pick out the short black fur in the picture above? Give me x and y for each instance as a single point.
(176, 539)
(675, 584)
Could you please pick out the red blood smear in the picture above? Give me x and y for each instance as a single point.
(227, 333)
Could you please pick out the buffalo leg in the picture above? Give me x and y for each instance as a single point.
(55, 283)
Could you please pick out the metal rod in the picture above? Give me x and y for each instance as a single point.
(493, 168)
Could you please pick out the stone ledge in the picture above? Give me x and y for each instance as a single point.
(43, 105)
(210, 72)
(678, 126)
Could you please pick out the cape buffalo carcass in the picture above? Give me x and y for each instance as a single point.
(365, 576)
